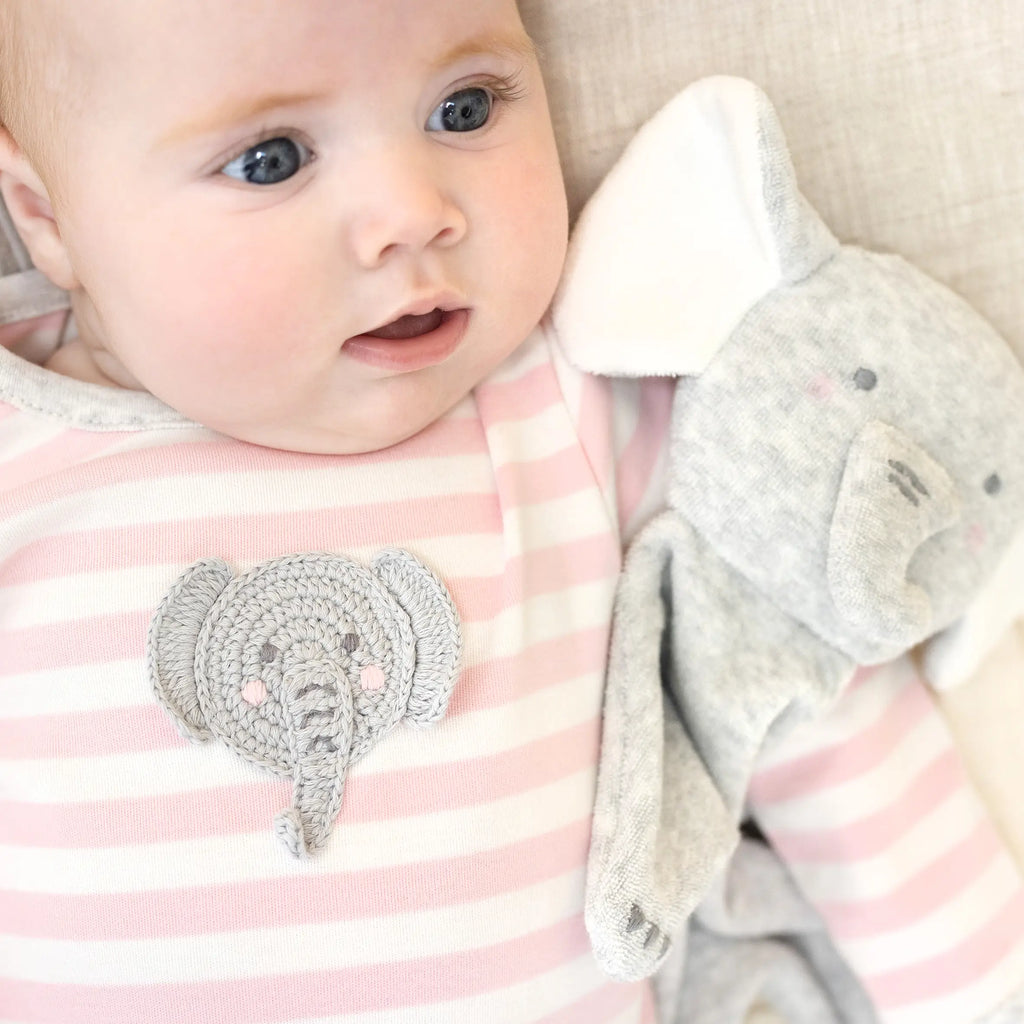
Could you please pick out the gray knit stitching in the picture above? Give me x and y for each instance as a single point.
(301, 664)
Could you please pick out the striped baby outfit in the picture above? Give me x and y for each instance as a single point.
(140, 875)
(872, 811)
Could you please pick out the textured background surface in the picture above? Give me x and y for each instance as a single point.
(905, 118)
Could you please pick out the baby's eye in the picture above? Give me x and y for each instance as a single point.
(269, 162)
(463, 111)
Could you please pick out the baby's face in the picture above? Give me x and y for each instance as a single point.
(310, 224)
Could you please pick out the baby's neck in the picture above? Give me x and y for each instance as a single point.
(74, 359)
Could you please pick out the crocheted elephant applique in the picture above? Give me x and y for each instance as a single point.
(302, 664)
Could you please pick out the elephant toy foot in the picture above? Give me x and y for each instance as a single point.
(627, 943)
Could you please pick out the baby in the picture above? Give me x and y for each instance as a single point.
(308, 434)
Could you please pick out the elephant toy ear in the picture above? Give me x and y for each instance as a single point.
(171, 644)
(699, 219)
(435, 625)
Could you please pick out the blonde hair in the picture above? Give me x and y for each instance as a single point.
(13, 70)
(33, 74)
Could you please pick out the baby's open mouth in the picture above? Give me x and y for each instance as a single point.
(411, 342)
(411, 326)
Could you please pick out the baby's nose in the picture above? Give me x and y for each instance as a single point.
(404, 207)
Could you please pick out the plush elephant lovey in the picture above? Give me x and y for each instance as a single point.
(301, 664)
(846, 471)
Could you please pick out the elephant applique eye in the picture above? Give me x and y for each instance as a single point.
(355, 650)
(993, 484)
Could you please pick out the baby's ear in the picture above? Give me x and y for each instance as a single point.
(699, 220)
(29, 206)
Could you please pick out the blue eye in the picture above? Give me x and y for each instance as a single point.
(464, 111)
(269, 162)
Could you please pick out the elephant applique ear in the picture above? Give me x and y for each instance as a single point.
(171, 644)
(435, 625)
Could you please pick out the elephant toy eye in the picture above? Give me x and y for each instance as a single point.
(268, 653)
(865, 379)
(993, 485)
(349, 642)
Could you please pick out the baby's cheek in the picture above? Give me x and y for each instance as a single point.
(245, 328)
(240, 301)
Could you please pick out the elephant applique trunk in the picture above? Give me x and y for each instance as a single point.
(321, 720)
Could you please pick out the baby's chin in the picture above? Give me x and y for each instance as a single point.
(312, 441)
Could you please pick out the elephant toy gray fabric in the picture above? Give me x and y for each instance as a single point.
(846, 470)
(301, 664)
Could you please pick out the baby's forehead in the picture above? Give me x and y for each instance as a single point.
(49, 34)
(45, 62)
(30, 24)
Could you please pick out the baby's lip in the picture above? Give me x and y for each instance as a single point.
(412, 341)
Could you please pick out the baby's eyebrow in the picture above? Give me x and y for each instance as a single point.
(231, 112)
(517, 47)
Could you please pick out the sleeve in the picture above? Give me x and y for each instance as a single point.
(623, 425)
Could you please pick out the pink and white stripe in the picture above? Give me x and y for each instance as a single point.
(872, 811)
(139, 877)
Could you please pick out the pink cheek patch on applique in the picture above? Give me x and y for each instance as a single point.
(254, 692)
(372, 678)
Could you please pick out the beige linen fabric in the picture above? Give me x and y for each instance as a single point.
(985, 715)
(905, 117)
